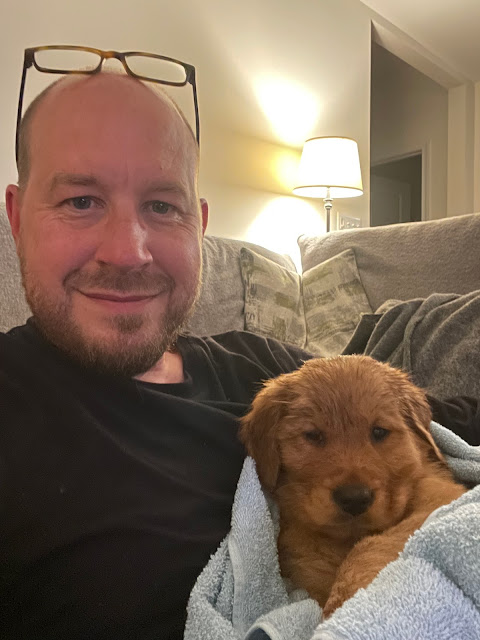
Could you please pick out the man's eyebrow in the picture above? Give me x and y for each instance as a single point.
(161, 186)
(73, 180)
(85, 180)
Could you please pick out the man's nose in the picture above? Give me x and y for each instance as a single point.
(123, 240)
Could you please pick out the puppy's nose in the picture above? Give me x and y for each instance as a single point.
(353, 498)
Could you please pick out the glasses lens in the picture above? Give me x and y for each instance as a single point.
(157, 69)
(66, 60)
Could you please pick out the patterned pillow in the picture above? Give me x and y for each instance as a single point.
(334, 300)
(273, 300)
(220, 306)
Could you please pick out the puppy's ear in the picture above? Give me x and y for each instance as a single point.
(259, 429)
(417, 413)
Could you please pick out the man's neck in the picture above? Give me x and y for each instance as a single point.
(168, 370)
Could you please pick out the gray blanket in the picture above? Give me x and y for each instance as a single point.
(436, 340)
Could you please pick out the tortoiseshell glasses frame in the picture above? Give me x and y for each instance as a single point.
(180, 73)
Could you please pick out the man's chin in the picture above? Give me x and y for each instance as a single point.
(117, 344)
(129, 362)
(126, 347)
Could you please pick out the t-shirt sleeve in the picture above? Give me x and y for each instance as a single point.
(460, 414)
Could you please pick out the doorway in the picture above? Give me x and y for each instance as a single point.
(396, 191)
(408, 117)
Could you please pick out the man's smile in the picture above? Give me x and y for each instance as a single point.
(118, 301)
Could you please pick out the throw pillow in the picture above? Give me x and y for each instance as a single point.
(334, 300)
(221, 303)
(273, 300)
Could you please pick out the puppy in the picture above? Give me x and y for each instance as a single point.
(343, 445)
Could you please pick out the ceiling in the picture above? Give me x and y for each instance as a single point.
(449, 29)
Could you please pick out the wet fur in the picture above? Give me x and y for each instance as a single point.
(323, 549)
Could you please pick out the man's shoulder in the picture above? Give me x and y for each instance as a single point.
(13, 337)
(245, 340)
(269, 353)
(20, 363)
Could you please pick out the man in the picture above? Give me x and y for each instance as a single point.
(118, 450)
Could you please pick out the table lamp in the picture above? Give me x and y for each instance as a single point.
(329, 168)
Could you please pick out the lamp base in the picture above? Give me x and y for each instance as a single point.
(328, 204)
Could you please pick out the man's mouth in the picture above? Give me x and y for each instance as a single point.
(116, 297)
(120, 301)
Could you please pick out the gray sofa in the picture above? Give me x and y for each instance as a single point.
(346, 274)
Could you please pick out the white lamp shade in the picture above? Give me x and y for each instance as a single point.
(329, 163)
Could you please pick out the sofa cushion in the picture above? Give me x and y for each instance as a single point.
(406, 260)
(273, 299)
(13, 306)
(334, 301)
(220, 306)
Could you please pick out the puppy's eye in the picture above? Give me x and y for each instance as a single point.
(379, 434)
(314, 436)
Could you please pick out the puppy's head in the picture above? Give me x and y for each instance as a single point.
(341, 441)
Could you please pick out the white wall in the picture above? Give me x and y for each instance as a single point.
(317, 51)
(476, 151)
(410, 113)
(464, 149)
(461, 149)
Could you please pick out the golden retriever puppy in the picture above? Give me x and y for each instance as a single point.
(343, 445)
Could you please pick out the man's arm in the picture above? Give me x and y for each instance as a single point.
(461, 415)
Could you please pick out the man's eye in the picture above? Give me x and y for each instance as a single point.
(82, 203)
(158, 206)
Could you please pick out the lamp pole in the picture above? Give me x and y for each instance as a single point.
(328, 204)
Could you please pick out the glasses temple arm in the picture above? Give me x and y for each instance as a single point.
(195, 102)
(19, 111)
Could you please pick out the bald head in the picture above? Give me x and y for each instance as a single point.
(74, 84)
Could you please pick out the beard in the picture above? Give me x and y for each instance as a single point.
(123, 353)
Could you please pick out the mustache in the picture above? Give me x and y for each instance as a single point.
(121, 280)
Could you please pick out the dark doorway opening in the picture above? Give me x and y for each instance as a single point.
(396, 191)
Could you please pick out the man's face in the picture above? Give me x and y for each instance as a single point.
(108, 227)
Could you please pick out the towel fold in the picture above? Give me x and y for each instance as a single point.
(432, 591)
(240, 594)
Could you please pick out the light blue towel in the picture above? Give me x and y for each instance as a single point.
(431, 592)
(241, 588)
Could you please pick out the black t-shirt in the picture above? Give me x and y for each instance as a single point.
(114, 492)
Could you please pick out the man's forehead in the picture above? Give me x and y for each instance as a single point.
(113, 100)
(106, 88)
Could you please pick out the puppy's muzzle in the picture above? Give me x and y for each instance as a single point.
(353, 498)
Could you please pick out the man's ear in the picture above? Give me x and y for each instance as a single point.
(12, 201)
(204, 207)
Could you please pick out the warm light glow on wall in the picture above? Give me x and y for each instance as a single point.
(280, 223)
(285, 168)
(292, 110)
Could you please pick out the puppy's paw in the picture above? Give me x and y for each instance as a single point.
(330, 606)
(339, 595)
